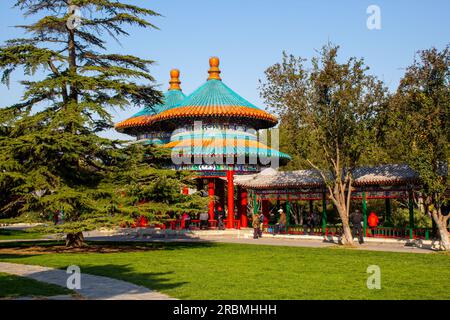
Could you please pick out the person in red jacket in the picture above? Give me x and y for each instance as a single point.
(373, 221)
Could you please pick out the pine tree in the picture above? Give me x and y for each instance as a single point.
(51, 157)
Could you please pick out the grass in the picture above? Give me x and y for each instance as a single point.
(13, 286)
(8, 234)
(237, 271)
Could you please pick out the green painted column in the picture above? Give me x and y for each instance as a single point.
(388, 216)
(288, 214)
(411, 213)
(255, 204)
(364, 208)
(324, 213)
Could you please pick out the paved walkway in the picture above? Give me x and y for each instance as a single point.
(270, 240)
(92, 287)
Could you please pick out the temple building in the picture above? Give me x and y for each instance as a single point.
(213, 132)
(220, 136)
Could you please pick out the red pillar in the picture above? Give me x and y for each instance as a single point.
(265, 210)
(220, 193)
(239, 205)
(211, 198)
(230, 218)
(243, 208)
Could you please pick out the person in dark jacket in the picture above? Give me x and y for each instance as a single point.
(282, 222)
(261, 224)
(357, 221)
(307, 222)
(220, 216)
(204, 216)
(255, 225)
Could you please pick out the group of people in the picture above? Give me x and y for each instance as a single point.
(357, 221)
(258, 224)
(310, 221)
(204, 218)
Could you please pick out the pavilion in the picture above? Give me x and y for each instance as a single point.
(396, 181)
(215, 133)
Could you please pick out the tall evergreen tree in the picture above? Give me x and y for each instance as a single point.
(51, 157)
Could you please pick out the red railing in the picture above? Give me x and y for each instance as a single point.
(196, 224)
(380, 232)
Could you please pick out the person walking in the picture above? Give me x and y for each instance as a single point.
(314, 222)
(307, 221)
(204, 220)
(220, 215)
(256, 226)
(281, 221)
(261, 224)
(357, 221)
(373, 221)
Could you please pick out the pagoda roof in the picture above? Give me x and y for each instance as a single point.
(391, 174)
(214, 99)
(171, 98)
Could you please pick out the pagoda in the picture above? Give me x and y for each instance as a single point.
(213, 132)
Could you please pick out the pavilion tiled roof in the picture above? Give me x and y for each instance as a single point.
(392, 174)
(216, 100)
(171, 98)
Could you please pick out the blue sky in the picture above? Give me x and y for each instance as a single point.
(250, 35)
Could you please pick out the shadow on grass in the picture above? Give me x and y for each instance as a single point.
(100, 282)
(158, 281)
(30, 248)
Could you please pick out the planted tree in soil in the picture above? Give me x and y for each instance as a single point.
(52, 159)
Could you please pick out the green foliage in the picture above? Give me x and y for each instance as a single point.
(400, 218)
(12, 287)
(51, 158)
(420, 118)
(182, 270)
(329, 116)
(328, 112)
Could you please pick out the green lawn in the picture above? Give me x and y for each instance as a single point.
(8, 234)
(233, 271)
(13, 286)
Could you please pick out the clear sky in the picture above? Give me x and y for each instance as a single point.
(250, 35)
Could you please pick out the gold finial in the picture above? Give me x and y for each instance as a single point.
(174, 79)
(214, 71)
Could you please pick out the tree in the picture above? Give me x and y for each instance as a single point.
(332, 108)
(420, 122)
(51, 156)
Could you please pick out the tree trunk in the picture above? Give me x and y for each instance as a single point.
(441, 223)
(75, 240)
(346, 231)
